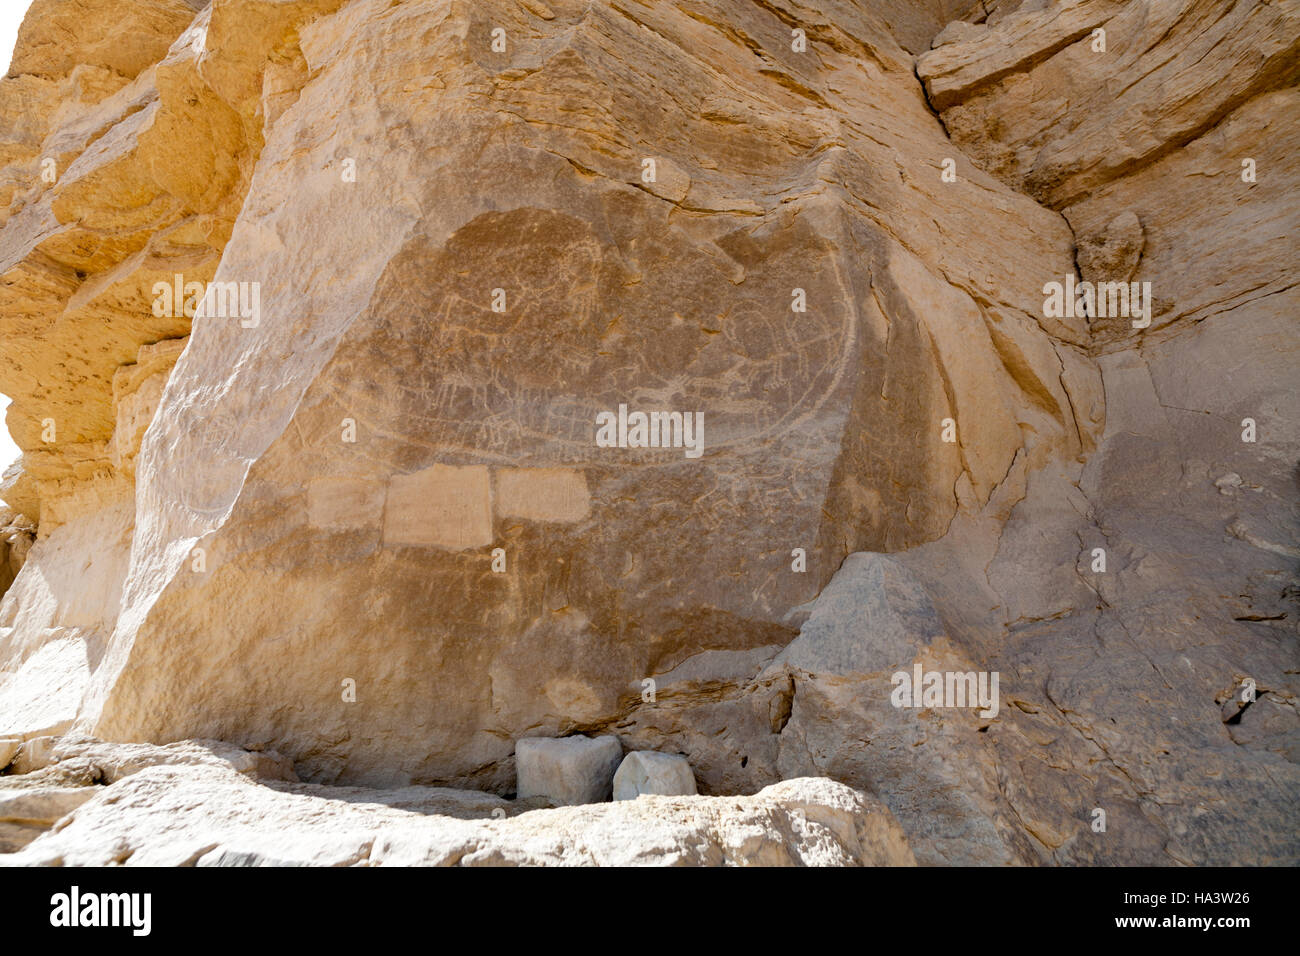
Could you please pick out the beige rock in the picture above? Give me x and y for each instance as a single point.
(476, 427)
(1032, 101)
(1132, 665)
(645, 771)
(369, 527)
(568, 771)
(210, 816)
(35, 753)
(26, 814)
(16, 536)
(442, 506)
(112, 762)
(1113, 255)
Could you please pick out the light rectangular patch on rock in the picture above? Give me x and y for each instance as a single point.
(345, 504)
(443, 506)
(542, 494)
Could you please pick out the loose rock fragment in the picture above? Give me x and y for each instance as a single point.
(645, 771)
(567, 770)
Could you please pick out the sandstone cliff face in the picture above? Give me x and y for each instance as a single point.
(356, 509)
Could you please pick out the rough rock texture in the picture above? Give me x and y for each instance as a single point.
(33, 798)
(17, 533)
(931, 766)
(360, 516)
(112, 762)
(26, 814)
(209, 814)
(33, 754)
(1119, 676)
(474, 429)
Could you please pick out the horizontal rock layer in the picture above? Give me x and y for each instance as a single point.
(189, 805)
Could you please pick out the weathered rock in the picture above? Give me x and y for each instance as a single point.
(568, 771)
(26, 814)
(378, 461)
(115, 761)
(645, 771)
(1113, 255)
(929, 764)
(16, 536)
(212, 816)
(1124, 656)
(248, 464)
(125, 37)
(8, 748)
(35, 753)
(1034, 99)
(872, 617)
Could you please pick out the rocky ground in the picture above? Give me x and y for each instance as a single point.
(203, 803)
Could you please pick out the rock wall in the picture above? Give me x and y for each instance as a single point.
(357, 506)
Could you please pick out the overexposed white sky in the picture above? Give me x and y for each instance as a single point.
(11, 14)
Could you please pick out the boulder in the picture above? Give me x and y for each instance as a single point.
(807, 294)
(568, 771)
(410, 489)
(646, 771)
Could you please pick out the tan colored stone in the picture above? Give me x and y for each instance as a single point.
(345, 504)
(663, 598)
(442, 506)
(542, 494)
(137, 390)
(126, 36)
(35, 753)
(466, 413)
(210, 816)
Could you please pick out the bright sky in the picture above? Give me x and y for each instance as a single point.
(11, 14)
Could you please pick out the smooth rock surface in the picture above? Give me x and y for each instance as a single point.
(645, 771)
(568, 771)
